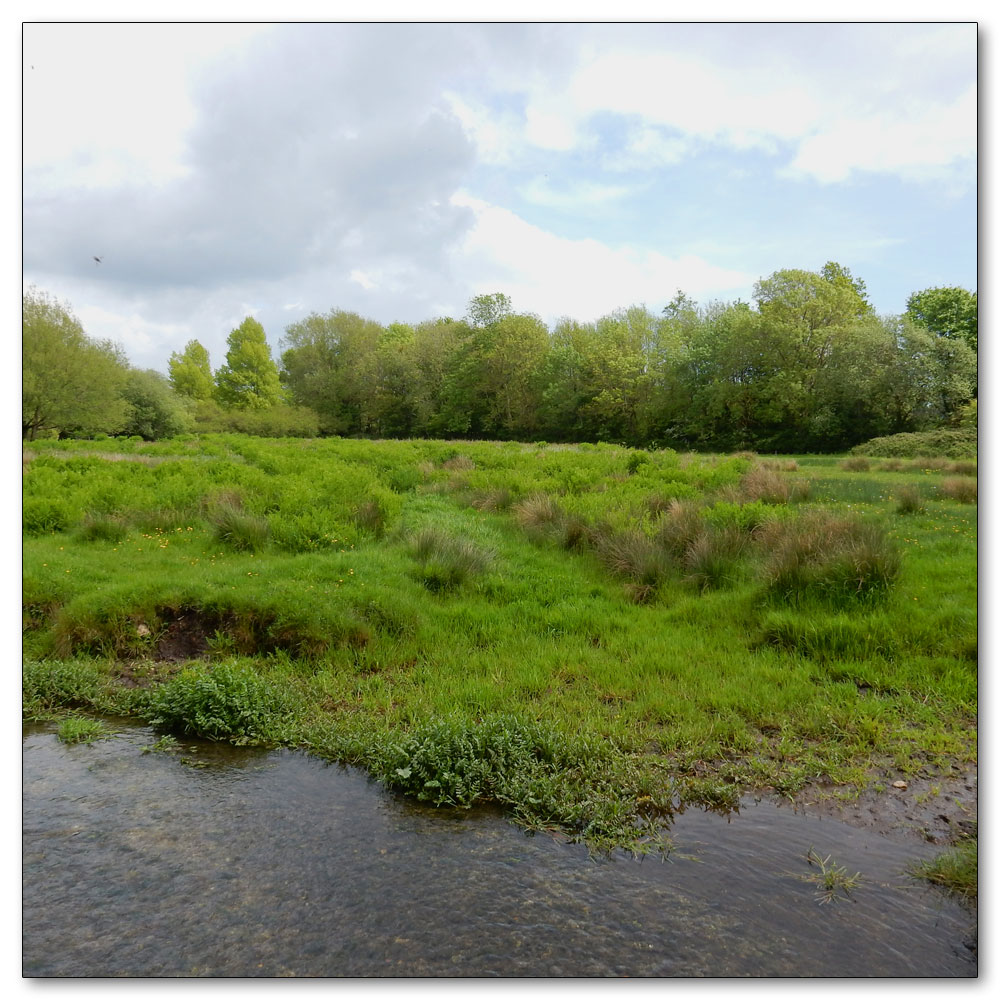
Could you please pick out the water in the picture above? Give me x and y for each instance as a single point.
(227, 862)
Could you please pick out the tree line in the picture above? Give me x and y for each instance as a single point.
(807, 366)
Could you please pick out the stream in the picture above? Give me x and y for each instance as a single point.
(229, 862)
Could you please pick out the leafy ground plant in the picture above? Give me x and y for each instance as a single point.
(79, 729)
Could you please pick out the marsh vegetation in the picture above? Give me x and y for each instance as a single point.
(586, 635)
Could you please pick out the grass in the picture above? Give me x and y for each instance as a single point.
(832, 881)
(79, 729)
(584, 636)
(956, 870)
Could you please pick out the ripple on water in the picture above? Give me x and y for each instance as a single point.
(278, 864)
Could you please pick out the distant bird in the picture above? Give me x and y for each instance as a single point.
(97, 260)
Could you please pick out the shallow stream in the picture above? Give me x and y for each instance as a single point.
(216, 861)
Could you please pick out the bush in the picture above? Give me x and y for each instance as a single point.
(960, 443)
(224, 703)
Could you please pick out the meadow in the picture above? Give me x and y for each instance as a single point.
(588, 636)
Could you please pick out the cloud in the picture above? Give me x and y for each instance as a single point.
(583, 278)
(939, 143)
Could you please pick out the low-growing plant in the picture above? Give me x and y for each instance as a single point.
(908, 500)
(41, 515)
(839, 559)
(102, 528)
(712, 559)
(449, 762)
(764, 484)
(240, 531)
(447, 561)
(857, 463)
(964, 468)
(633, 555)
(680, 525)
(962, 489)
(892, 465)
(50, 685)
(956, 870)
(224, 702)
(830, 879)
(79, 729)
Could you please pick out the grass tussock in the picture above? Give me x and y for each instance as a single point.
(447, 561)
(239, 530)
(856, 463)
(766, 485)
(836, 558)
(956, 870)
(962, 489)
(909, 500)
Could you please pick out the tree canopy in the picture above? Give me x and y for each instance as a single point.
(70, 383)
(249, 378)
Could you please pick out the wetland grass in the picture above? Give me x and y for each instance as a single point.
(584, 636)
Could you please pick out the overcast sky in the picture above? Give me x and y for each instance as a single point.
(222, 171)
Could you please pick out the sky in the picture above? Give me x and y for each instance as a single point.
(396, 170)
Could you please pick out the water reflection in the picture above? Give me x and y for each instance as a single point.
(226, 862)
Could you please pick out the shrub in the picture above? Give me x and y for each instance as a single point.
(226, 702)
(963, 490)
(961, 443)
(909, 500)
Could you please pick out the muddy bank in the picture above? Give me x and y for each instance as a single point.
(936, 810)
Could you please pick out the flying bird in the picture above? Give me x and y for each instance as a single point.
(97, 260)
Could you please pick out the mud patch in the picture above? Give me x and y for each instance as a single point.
(936, 810)
(187, 633)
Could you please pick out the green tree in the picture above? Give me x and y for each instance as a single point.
(156, 409)
(249, 378)
(327, 365)
(70, 383)
(947, 312)
(190, 372)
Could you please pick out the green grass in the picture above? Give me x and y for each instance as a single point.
(956, 870)
(584, 636)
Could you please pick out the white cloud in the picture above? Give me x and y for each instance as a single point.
(360, 278)
(554, 276)
(929, 145)
(572, 195)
